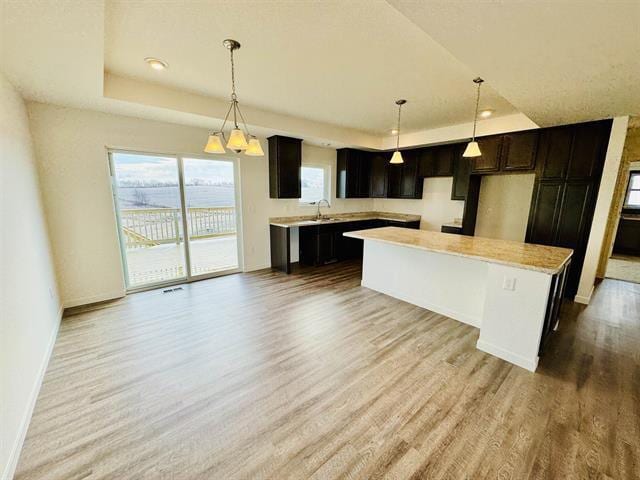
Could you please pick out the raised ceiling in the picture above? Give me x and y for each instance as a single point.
(339, 62)
(318, 67)
(556, 61)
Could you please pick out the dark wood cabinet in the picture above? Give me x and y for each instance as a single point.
(519, 151)
(325, 243)
(378, 174)
(443, 159)
(285, 161)
(403, 179)
(489, 161)
(627, 241)
(435, 161)
(461, 175)
(353, 171)
(553, 152)
(569, 167)
(544, 211)
(589, 149)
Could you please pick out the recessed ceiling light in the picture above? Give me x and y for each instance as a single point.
(486, 113)
(156, 63)
(394, 132)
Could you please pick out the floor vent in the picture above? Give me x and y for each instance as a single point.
(169, 290)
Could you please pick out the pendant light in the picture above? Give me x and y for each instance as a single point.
(473, 149)
(397, 156)
(237, 141)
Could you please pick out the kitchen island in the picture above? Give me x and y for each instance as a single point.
(511, 291)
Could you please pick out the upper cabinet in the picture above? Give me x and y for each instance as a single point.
(378, 174)
(285, 161)
(353, 175)
(489, 161)
(435, 161)
(403, 179)
(513, 152)
(519, 151)
(554, 151)
(461, 175)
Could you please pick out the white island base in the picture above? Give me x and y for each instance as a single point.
(507, 303)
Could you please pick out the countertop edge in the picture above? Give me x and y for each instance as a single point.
(310, 223)
(547, 271)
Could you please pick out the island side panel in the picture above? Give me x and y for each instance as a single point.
(450, 285)
(512, 319)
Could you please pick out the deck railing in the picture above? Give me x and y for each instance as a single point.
(146, 227)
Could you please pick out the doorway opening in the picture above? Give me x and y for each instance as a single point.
(177, 217)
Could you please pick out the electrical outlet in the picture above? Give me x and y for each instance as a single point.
(509, 283)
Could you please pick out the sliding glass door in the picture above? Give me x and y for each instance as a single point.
(158, 199)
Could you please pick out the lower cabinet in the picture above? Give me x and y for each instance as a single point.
(325, 244)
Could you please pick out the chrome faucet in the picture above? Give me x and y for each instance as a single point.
(318, 214)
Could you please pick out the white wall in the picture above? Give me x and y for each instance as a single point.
(72, 156)
(603, 206)
(435, 206)
(490, 126)
(503, 207)
(29, 304)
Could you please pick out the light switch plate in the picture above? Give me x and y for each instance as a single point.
(509, 283)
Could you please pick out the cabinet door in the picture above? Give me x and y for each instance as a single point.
(519, 151)
(574, 214)
(588, 152)
(285, 160)
(543, 216)
(627, 237)
(364, 173)
(347, 175)
(394, 174)
(461, 174)
(378, 177)
(426, 161)
(554, 150)
(409, 180)
(489, 161)
(443, 161)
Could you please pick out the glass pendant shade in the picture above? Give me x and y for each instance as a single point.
(472, 150)
(396, 157)
(237, 141)
(254, 149)
(214, 144)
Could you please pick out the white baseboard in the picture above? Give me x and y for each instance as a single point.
(76, 302)
(584, 299)
(447, 312)
(33, 396)
(519, 360)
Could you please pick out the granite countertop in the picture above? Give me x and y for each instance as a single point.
(306, 220)
(528, 256)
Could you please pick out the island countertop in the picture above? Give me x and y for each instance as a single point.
(528, 256)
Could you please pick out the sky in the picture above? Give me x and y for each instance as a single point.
(146, 169)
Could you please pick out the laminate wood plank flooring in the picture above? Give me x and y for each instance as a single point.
(310, 375)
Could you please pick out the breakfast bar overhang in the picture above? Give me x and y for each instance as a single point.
(511, 291)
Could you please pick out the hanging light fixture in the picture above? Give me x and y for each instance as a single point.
(237, 141)
(473, 149)
(397, 156)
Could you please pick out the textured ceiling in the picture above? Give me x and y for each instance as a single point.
(339, 62)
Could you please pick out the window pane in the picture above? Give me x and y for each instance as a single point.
(312, 184)
(635, 182)
(634, 198)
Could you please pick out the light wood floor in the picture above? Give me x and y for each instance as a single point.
(265, 375)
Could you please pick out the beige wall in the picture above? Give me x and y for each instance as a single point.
(503, 208)
(29, 304)
(606, 194)
(630, 153)
(72, 157)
